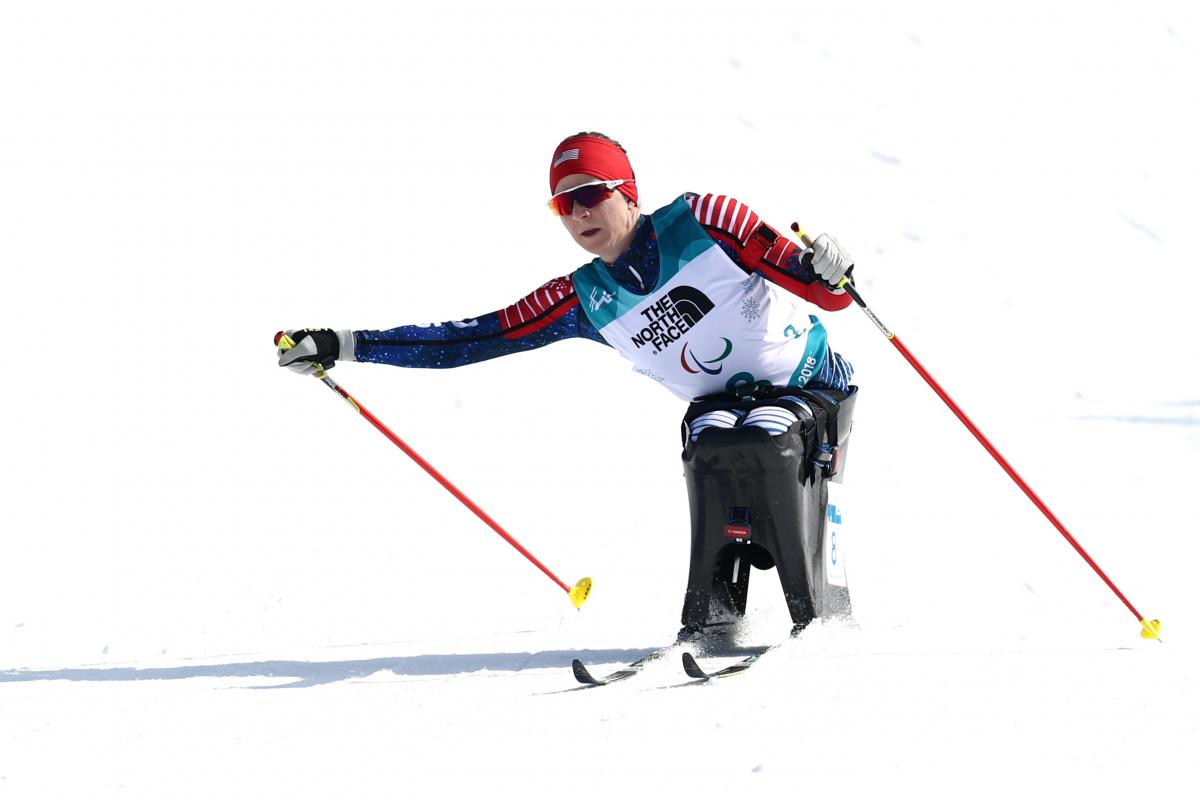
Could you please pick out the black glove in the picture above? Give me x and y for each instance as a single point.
(316, 346)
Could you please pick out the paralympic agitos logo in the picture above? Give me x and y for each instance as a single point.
(698, 365)
(671, 316)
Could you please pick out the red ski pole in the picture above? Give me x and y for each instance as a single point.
(1150, 628)
(578, 593)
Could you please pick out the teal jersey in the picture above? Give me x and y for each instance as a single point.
(705, 326)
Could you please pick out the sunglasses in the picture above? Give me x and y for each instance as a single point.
(589, 195)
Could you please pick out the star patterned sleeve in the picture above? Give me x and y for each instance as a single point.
(756, 246)
(548, 314)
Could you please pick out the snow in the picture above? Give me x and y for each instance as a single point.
(217, 580)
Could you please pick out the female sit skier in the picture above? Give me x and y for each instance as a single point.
(701, 295)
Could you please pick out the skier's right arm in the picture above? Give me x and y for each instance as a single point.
(548, 314)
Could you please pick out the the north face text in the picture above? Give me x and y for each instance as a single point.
(671, 316)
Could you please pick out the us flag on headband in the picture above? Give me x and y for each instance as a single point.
(566, 155)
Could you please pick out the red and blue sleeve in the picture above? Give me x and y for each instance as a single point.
(757, 247)
(548, 314)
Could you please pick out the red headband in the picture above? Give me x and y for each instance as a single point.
(591, 155)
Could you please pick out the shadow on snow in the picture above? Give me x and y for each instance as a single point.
(318, 673)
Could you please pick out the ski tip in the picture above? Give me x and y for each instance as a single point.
(582, 675)
(580, 592)
(693, 669)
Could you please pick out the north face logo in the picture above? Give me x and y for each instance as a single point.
(671, 316)
(691, 303)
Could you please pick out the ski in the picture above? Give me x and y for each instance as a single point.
(694, 670)
(584, 676)
(713, 643)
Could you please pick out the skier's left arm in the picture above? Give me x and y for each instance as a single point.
(811, 273)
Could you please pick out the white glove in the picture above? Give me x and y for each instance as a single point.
(315, 347)
(830, 262)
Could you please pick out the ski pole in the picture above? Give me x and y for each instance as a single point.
(578, 593)
(1150, 628)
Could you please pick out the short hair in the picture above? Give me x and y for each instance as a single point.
(605, 137)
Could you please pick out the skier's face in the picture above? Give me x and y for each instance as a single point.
(604, 230)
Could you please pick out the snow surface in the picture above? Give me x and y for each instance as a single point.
(218, 581)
